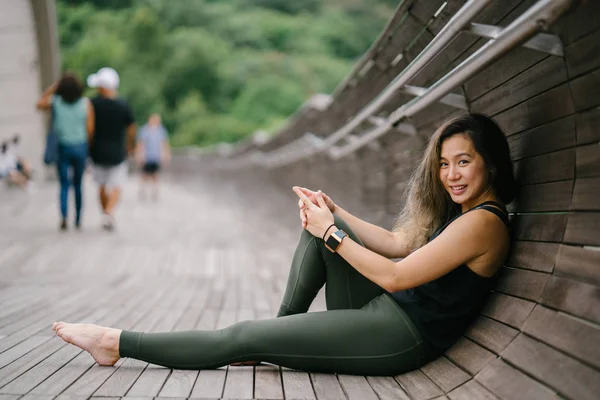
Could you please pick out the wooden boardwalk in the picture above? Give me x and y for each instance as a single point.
(195, 259)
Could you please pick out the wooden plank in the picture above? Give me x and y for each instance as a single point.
(209, 384)
(583, 55)
(29, 360)
(583, 91)
(522, 283)
(546, 74)
(469, 355)
(545, 197)
(583, 228)
(579, 21)
(357, 387)
(579, 263)
(150, 382)
(587, 126)
(588, 161)
(548, 106)
(268, 383)
(386, 388)
(179, 384)
(424, 11)
(576, 298)
(41, 371)
(508, 383)
(464, 45)
(490, 334)
(239, 383)
(122, 379)
(327, 386)
(546, 138)
(508, 309)
(444, 374)
(535, 256)
(573, 379)
(418, 386)
(563, 332)
(557, 166)
(539, 227)
(21, 349)
(471, 390)
(297, 385)
(443, 17)
(513, 63)
(585, 195)
(207, 320)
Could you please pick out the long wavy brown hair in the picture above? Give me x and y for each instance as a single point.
(428, 205)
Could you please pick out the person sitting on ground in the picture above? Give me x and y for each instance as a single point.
(73, 122)
(383, 317)
(3, 159)
(9, 168)
(152, 151)
(23, 165)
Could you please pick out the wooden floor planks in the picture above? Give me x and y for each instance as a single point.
(170, 266)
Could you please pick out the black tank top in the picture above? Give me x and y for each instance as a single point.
(443, 309)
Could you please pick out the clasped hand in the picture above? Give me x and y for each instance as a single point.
(315, 210)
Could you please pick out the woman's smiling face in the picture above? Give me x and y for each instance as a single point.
(463, 171)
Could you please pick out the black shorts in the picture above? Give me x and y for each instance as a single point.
(151, 168)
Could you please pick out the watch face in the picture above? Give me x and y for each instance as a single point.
(334, 240)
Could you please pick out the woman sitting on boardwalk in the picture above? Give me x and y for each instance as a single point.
(383, 317)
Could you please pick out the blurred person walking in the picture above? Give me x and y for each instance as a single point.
(152, 152)
(114, 139)
(73, 124)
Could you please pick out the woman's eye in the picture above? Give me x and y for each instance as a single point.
(443, 164)
(462, 162)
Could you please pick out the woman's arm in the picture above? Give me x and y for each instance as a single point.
(90, 121)
(380, 240)
(166, 152)
(466, 240)
(45, 102)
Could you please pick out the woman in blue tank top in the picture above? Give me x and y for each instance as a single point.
(73, 123)
(384, 317)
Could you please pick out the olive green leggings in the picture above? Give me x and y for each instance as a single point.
(363, 331)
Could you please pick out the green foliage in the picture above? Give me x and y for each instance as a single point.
(218, 70)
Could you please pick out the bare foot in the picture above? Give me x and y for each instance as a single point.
(102, 343)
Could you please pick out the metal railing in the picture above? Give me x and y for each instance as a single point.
(537, 17)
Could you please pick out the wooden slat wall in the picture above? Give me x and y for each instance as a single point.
(544, 311)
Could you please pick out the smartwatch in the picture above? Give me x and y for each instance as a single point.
(335, 240)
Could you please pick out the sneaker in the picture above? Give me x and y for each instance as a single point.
(109, 222)
(63, 225)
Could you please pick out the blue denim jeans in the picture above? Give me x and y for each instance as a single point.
(73, 156)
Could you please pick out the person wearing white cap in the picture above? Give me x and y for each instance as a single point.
(114, 139)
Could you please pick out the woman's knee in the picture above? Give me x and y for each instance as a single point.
(341, 224)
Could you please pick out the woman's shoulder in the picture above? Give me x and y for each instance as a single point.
(479, 226)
